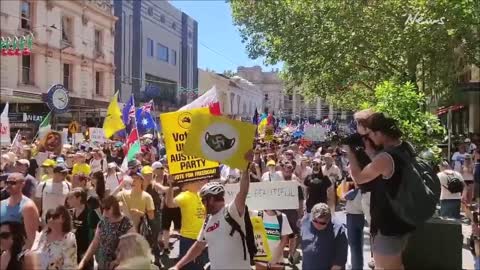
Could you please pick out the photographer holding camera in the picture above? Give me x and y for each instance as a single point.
(382, 174)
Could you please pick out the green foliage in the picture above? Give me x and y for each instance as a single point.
(331, 46)
(403, 103)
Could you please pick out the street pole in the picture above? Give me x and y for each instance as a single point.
(449, 130)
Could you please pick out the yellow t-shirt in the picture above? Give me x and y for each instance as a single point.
(83, 168)
(141, 201)
(193, 213)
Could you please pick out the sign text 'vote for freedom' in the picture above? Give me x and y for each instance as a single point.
(267, 195)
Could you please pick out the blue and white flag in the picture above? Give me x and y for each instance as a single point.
(145, 121)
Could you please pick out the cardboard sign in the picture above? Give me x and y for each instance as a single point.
(260, 235)
(221, 139)
(315, 133)
(276, 195)
(78, 138)
(5, 132)
(184, 168)
(51, 142)
(97, 135)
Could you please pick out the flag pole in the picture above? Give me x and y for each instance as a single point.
(38, 131)
(14, 140)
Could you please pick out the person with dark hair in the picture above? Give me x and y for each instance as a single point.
(107, 235)
(98, 182)
(57, 246)
(12, 241)
(390, 232)
(85, 222)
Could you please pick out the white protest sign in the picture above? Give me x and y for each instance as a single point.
(5, 127)
(65, 135)
(97, 135)
(267, 195)
(315, 133)
(78, 138)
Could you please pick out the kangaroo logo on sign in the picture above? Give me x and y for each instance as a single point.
(219, 142)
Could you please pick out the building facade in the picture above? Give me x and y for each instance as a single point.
(290, 106)
(237, 96)
(155, 52)
(73, 46)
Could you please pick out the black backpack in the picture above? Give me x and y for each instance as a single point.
(454, 185)
(419, 191)
(279, 219)
(248, 239)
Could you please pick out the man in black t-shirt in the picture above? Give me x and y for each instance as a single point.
(319, 187)
(84, 221)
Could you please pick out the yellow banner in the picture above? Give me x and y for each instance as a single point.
(261, 241)
(221, 139)
(182, 167)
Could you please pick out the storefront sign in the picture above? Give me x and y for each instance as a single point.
(184, 168)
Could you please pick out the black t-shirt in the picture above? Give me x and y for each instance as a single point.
(156, 196)
(84, 227)
(32, 170)
(318, 185)
(384, 218)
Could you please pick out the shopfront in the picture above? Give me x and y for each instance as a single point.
(25, 117)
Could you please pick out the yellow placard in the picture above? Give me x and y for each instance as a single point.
(176, 126)
(221, 139)
(260, 235)
(268, 133)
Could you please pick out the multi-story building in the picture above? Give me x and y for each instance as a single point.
(237, 96)
(156, 53)
(290, 106)
(73, 46)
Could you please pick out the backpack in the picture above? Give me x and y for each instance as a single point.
(248, 239)
(454, 185)
(419, 191)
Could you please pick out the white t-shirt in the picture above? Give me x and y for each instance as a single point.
(52, 195)
(332, 172)
(272, 227)
(444, 176)
(96, 165)
(270, 177)
(112, 181)
(225, 251)
(458, 160)
(355, 206)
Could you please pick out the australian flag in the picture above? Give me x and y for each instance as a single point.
(145, 121)
(128, 113)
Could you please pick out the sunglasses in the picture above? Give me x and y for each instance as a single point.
(11, 182)
(319, 222)
(5, 235)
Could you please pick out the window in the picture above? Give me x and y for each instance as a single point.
(27, 69)
(149, 47)
(189, 34)
(67, 73)
(174, 57)
(174, 26)
(26, 14)
(98, 41)
(162, 52)
(150, 11)
(66, 29)
(162, 18)
(98, 83)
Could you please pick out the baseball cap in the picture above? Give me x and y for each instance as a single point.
(467, 140)
(271, 163)
(48, 163)
(320, 210)
(147, 170)
(157, 165)
(111, 165)
(60, 168)
(24, 162)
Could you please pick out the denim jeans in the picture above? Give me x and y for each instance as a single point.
(199, 262)
(355, 224)
(450, 208)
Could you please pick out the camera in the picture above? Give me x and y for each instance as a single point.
(354, 141)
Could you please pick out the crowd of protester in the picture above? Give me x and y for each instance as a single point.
(79, 209)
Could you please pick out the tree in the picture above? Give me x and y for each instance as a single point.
(332, 47)
(403, 103)
(229, 73)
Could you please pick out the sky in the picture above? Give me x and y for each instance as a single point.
(217, 51)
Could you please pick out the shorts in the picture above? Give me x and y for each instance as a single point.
(171, 215)
(292, 217)
(389, 245)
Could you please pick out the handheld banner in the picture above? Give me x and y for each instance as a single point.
(51, 142)
(261, 241)
(183, 168)
(221, 139)
(267, 195)
(97, 135)
(315, 133)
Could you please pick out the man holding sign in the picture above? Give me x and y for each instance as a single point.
(225, 229)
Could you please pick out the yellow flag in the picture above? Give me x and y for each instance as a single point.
(113, 121)
(221, 139)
